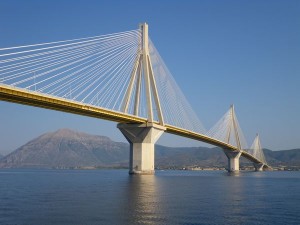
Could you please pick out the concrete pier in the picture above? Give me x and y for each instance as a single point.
(233, 160)
(258, 166)
(142, 138)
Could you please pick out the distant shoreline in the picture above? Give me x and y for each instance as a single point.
(198, 169)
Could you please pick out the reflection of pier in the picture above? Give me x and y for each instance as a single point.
(140, 203)
(169, 196)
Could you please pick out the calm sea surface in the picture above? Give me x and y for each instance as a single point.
(170, 197)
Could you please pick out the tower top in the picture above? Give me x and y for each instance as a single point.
(145, 39)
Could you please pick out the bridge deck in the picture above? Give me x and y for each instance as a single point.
(26, 97)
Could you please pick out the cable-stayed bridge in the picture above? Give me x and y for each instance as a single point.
(119, 77)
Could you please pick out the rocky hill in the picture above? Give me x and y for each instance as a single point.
(66, 148)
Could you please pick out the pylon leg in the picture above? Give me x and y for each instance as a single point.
(258, 166)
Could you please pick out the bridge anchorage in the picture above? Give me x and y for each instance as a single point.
(122, 78)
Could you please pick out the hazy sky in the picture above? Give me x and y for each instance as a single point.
(219, 52)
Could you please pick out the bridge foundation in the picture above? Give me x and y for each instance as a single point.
(142, 138)
(233, 160)
(258, 166)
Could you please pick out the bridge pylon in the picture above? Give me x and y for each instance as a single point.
(143, 71)
(233, 156)
(257, 151)
(142, 137)
(233, 127)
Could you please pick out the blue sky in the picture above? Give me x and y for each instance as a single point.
(219, 52)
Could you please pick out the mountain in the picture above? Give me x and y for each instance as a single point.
(167, 157)
(284, 157)
(1, 156)
(66, 148)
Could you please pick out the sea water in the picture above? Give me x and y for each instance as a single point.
(87, 197)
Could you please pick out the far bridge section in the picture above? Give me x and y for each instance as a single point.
(122, 78)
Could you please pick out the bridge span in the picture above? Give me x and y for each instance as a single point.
(149, 101)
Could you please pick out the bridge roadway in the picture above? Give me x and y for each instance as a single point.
(37, 99)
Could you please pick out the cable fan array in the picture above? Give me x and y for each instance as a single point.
(89, 70)
(95, 71)
(176, 109)
(228, 130)
(257, 151)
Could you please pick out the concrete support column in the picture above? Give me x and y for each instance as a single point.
(258, 166)
(233, 160)
(142, 138)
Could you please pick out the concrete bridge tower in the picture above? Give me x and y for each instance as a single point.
(142, 137)
(233, 156)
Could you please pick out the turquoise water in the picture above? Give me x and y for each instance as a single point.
(170, 197)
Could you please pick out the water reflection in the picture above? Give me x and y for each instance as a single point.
(142, 200)
(242, 188)
(232, 174)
